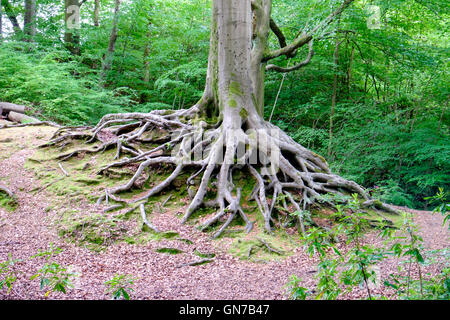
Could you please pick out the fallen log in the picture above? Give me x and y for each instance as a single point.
(21, 118)
(9, 107)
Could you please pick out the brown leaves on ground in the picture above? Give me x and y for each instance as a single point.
(158, 276)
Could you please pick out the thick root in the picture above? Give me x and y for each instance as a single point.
(287, 175)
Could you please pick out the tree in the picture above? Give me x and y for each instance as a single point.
(225, 131)
(12, 16)
(1, 23)
(109, 56)
(72, 20)
(29, 24)
(96, 13)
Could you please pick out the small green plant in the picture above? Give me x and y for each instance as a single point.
(52, 276)
(295, 291)
(120, 286)
(318, 243)
(8, 274)
(444, 207)
(337, 272)
(407, 287)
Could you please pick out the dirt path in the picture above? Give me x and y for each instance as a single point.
(29, 228)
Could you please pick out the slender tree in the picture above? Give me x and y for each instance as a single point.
(29, 24)
(109, 56)
(72, 20)
(147, 52)
(225, 131)
(334, 94)
(1, 23)
(96, 13)
(12, 16)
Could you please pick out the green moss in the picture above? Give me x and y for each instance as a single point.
(169, 250)
(204, 255)
(319, 156)
(95, 232)
(235, 88)
(185, 240)
(243, 113)
(232, 103)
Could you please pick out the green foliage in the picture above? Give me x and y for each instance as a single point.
(444, 207)
(7, 202)
(8, 273)
(52, 276)
(120, 286)
(341, 272)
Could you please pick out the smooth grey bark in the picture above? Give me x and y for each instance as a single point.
(71, 34)
(235, 65)
(29, 25)
(258, 19)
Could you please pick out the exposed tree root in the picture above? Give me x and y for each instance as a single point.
(196, 263)
(287, 175)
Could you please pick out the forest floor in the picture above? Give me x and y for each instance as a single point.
(33, 226)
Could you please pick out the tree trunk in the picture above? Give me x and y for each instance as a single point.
(109, 56)
(7, 107)
(29, 24)
(1, 22)
(147, 54)
(1, 25)
(72, 21)
(96, 13)
(12, 16)
(333, 97)
(349, 72)
(21, 118)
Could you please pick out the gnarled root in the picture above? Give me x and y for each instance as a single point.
(284, 172)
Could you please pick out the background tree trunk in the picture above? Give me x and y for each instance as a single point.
(12, 16)
(72, 34)
(109, 56)
(96, 13)
(334, 95)
(29, 24)
(147, 53)
(1, 23)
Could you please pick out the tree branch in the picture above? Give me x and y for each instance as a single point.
(297, 66)
(277, 31)
(12, 16)
(306, 37)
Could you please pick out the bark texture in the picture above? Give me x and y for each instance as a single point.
(96, 13)
(29, 25)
